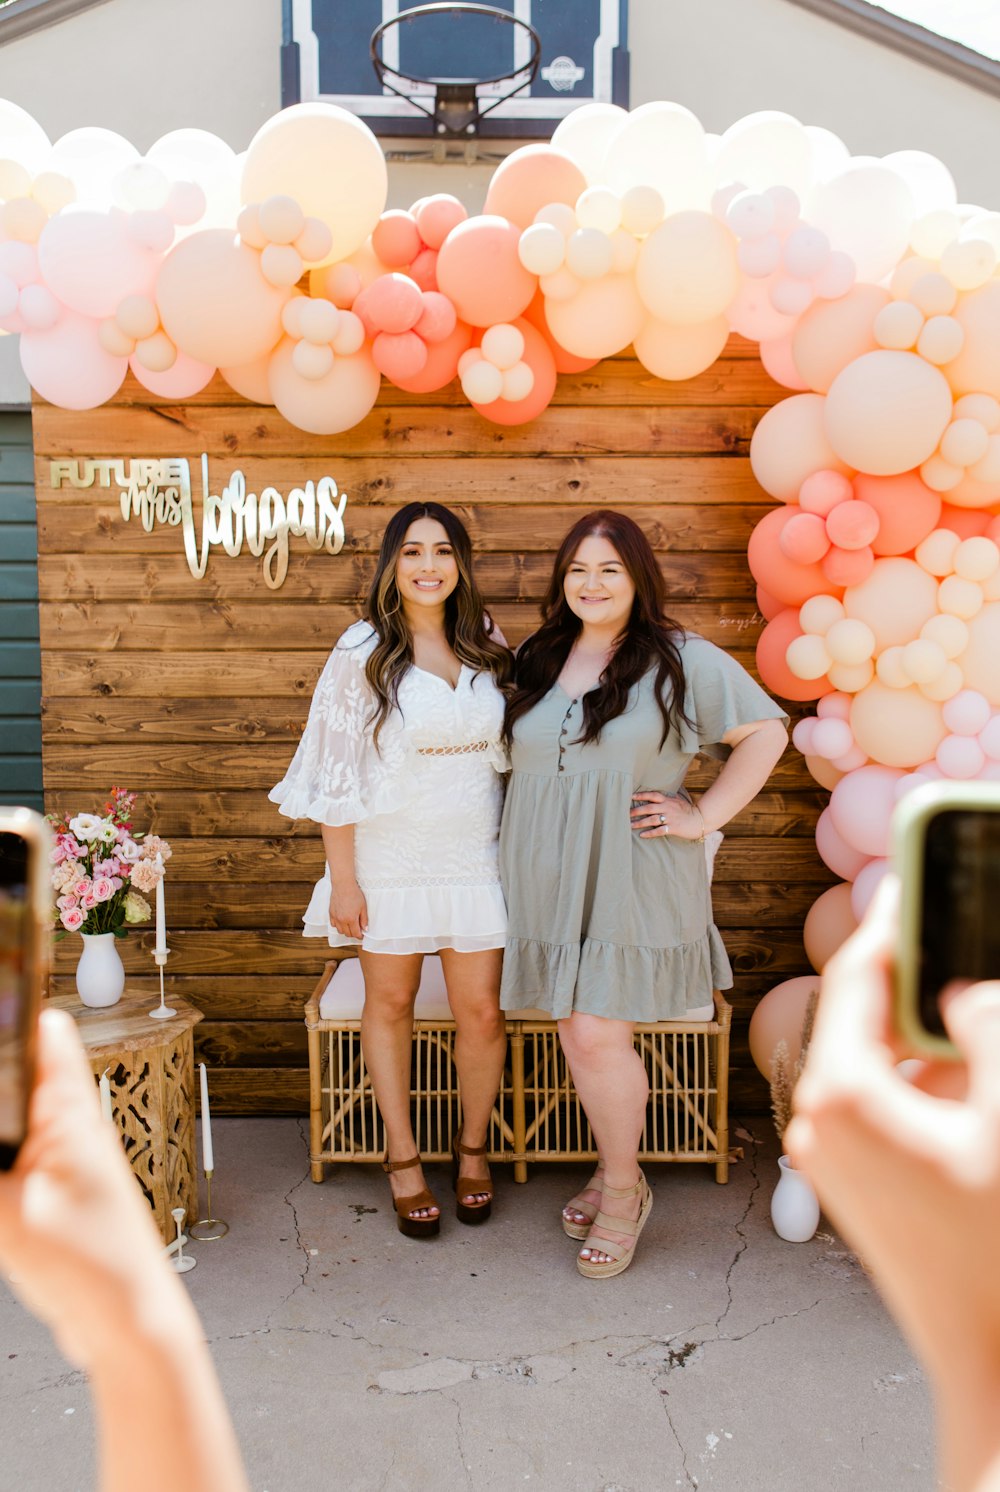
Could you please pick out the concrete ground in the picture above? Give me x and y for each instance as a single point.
(354, 1358)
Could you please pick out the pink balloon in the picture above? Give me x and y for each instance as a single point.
(823, 490)
(776, 355)
(423, 270)
(437, 216)
(479, 270)
(966, 713)
(437, 319)
(802, 735)
(804, 538)
(989, 738)
(399, 353)
(835, 706)
(531, 178)
(968, 523)
(214, 302)
(396, 238)
(844, 567)
(779, 1016)
(90, 262)
(538, 355)
(392, 303)
(839, 856)
(67, 365)
(832, 739)
(852, 525)
(785, 579)
(906, 507)
(861, 807)
(442, 362)
(185, 378)
(768, 605)
(865, 885)
(851, 760)
(960, 757)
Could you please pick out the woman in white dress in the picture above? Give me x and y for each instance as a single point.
(399, 763)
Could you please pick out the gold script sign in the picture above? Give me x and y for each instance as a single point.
(159, 491)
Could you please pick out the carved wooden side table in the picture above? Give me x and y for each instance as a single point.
(150, 1066)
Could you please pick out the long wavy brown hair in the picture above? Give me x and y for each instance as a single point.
(467, 627)
(649, 637)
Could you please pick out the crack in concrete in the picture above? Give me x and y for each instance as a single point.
(763, 1325)
(689, 1475)
(304, 1275)
(460, 1439)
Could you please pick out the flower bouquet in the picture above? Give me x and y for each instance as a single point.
(102, 871)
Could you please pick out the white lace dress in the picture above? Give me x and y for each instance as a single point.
(426, 805)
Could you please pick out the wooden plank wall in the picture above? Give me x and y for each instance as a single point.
(193, 692)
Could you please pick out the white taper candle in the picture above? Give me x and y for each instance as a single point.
(161, 920)
(105, 1088)
(207, 1157)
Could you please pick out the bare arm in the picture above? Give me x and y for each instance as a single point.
(348, 909)
(84, 1255)
(756, 748)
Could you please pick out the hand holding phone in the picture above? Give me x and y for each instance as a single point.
(25, 912)
(946, 845)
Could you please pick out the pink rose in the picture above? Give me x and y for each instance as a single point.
(87, 898)
(59, 853)
(73, 847)
(71, 919)
(103, 888)
(67, 903)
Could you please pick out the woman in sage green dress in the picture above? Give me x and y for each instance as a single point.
(602, 851)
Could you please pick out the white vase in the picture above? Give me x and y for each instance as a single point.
(794, 1208)
(100, 974)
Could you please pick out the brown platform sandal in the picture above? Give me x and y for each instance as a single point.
(413, 1227)
(469, 1212)
(620, 1253)
(579, 1231)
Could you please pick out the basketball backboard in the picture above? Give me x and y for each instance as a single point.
(584, 59)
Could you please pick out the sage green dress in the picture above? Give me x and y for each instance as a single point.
(600, 920)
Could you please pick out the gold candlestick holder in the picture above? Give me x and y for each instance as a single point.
(208, 1229)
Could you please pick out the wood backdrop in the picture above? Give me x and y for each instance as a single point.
(193, 692)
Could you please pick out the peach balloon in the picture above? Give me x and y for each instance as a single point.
(442, 362)
(886, 412)
(779, 1016)
(399, 354)
(250, 380)
(602, 318)
(853, 524)
(436, 216)
(804, 538)
(779, 363)
(824, 772)
(67, 364)
(844, 567)
(829, 923)
(214, 302)
(832, 334)
(687, 270)
(478, 269)
(980, 663)
(677, 352)
(907, 509)
(790, 443)
(181, 380)
(396, 238)
(327, 405)
(772, 647)
(538, 356)
(768, 605)
(330, 162)
(897, 727)
(782, 577)
(530, 178)
(836, 853)
(896, 600)
(565, 361)
(976, 369)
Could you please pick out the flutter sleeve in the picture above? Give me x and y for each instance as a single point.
(336, 776)
(719, 696)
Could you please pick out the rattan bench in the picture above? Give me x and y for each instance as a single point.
(538, 1116)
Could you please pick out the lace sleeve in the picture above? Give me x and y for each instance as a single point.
(337, 776)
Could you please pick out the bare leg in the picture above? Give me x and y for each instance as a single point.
(611, 1080)
(473, 981)
(391, 982)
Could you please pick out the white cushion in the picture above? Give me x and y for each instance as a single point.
(700, 1013)
(344, 995)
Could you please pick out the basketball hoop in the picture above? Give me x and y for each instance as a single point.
(457, 106)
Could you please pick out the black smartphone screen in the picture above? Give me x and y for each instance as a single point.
(961, 905)
(14, 1002)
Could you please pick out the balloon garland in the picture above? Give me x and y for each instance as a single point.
(873, 296)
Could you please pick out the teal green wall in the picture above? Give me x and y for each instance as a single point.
(20, 657)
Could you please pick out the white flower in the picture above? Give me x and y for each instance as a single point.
(129, 851)
(88, 827)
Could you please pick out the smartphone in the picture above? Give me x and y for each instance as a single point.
(946, 847)
(25, 932)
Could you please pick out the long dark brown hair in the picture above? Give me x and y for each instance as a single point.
(467, 627)
(649, 636)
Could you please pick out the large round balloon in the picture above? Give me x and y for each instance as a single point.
(765, 149)
(976, 369)
(866, 211)
(68, 366)
(585, 134)
(789, 444)
(442, 362)
(861, 807)
(603, 317)
(530, 178)
(980, 663)
(780, 1016)
(834, 850)
(215, 303)
(898, 727)
(538, 356)
(181, 380)
(479, 270)
(907, 509)
(895, 601)
(786, 579)
(327, 405)
(90, 262)
(832, 333)
(661, 145)
(829, 923)
(886, 412)
(675, 352)
(687, 270)
(772, 645)
(566, 362)
(329, 161)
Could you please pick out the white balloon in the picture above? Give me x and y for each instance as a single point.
(92, 158)
(541, 249)
(585, 134)
(662, 145)
(930, 182)
(766, 149)
(866, 212)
